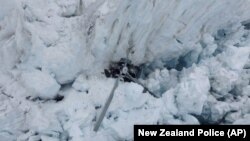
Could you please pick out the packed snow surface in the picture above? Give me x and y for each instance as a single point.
(194, 55)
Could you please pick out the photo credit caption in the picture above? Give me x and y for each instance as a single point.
(163, 132)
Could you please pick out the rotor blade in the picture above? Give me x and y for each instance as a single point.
(106, 106)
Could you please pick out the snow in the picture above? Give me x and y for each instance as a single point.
(80, 84)
(68, 7)
(191, 94)
(6, 7)
(235, 58)
(246, 90)
(53, 54)
(40, 84)
(243, 121)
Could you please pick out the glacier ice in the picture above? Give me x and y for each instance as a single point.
(40, 84)
(194, 54)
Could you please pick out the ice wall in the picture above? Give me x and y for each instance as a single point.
(194, 54)
(68, 37)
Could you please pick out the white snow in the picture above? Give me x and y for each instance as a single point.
(244, 120)
(235, 58)
(195, 55)
(191, 93)
(40, 84)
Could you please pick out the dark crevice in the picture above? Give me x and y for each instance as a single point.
(219, 96)
(119, 39)
(25, 131)
(36, 99)
(94, 119)
(246, 24)
(67, 85)
(179, 41)
(234, 91)
(222, 99)
(91, 29)
(58, 98)
(39, 68)
(28, 97)
(6, 131)
(221, 35)
(179, 63)
(70, 16)
(223, 119)
(182, 63)
(218, 51)
(202, 120)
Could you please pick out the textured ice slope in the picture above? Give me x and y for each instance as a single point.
(194, 54)
(86, 36)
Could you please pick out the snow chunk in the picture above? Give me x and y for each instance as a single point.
(129, 94)
(189, 119)
(161, 80)
(245, 120)
(6, 7)
(208, 39)
(209, 46)
(213, 112)
(80, 84)
(170, 106)
(68, 7)
(235, 58)
(65, 62)
(222, 81)
(246, 90)
(129, 106)
(192, 92)
(40, 84)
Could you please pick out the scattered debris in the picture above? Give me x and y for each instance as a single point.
(123, 67)
(127, 72)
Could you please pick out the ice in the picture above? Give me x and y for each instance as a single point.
(235, 58)
(191, 94)
(213, 112)
(244, 120)
(64, 67)
(68, 7)
(39, 84)
(189, 119)
(159, 80)
(116, 32)
(80, 84)
(222, 81)
(6, 8)
(53, 54)
(246, 90)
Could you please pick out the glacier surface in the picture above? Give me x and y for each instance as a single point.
(194, 54)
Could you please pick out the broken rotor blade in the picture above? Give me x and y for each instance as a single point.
(106, 106)
(138, 82)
